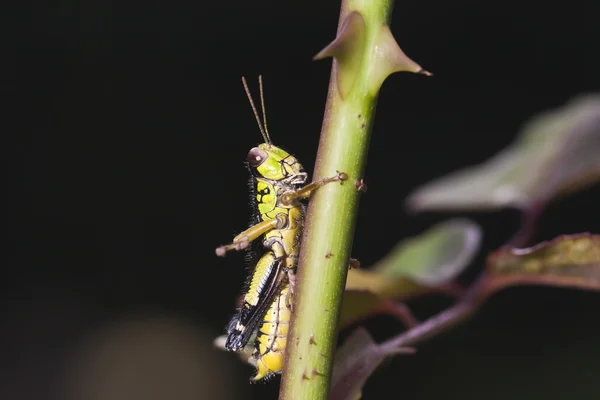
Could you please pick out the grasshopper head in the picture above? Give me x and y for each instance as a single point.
(273, 163)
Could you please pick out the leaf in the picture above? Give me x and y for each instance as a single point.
(415, 266)
(567, 261)
(436, 256)
(355, 361)
(556, 152)
(361, 303)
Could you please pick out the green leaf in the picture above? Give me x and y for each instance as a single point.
(557, 152)
(355, 361)
(567, 261)
(360, 302)
(416, 266)
(436, 256)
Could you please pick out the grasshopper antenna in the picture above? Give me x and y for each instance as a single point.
(260, 125)
(264, 110)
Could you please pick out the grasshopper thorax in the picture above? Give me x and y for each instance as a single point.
(275, 164)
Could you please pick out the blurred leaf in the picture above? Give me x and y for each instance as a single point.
(567, 261)
(415, 266)
(436, 256)
(557, 152)
(380, 285)
(355, 361)
(361, 303)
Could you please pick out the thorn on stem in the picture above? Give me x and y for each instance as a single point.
(354, 263)
(360, 184)
(347, 49)
(389, 58)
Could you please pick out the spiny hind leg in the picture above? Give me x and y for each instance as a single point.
(307, 190)
(242, 241)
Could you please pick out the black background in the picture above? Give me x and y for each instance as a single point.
(126, 170)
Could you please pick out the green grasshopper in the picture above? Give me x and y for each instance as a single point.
(279, 183)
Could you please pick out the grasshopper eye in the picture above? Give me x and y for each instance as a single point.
(256, 157)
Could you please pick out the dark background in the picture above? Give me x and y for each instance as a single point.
(125, 169)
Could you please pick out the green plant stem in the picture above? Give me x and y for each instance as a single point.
(330, 221)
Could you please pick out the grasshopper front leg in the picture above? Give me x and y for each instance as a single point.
(241, 241)
(288, 197)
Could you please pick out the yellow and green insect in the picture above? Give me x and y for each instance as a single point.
(279, 183)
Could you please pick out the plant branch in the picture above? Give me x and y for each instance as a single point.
(435, 325)
(330, 221)
(482, 289)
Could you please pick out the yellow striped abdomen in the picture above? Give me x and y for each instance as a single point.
(271, 339)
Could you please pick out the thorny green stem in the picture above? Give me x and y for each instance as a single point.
(330, 221)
